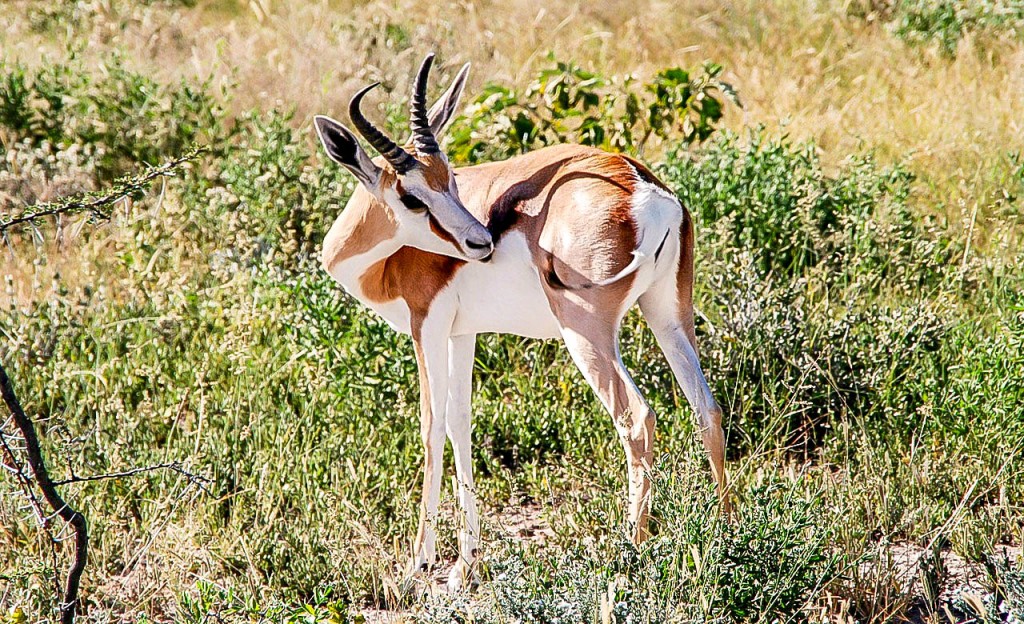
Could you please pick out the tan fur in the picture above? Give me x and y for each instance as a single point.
(589, 228)
(684, 277)
(411, 274)
(436, 172)
(712, 435)
(498, 191)
(361, 226)
(579, 197)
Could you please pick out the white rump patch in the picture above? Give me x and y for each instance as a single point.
(655, 213)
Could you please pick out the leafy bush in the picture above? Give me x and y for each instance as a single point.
(945, 23)
(269, 199)
(770, 199)
(125, 117)
(795, 261)
(568, 104)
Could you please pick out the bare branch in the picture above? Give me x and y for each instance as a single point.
(197, 479)
(69, 604)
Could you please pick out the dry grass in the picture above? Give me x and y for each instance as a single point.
(803, 65)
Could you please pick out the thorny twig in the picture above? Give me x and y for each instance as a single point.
(69, 602)
(199, 480)
(97, 204)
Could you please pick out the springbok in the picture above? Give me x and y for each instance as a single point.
(560, 242)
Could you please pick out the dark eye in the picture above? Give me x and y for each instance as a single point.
(413, 203)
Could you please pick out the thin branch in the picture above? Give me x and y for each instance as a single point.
(98, 204)
(69, 604)
(197, 479)
(33, 502)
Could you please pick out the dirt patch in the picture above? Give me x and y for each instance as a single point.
(523, 522)
(511, 523)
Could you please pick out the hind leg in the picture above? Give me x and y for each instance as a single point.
(592, 341)
(672, 324)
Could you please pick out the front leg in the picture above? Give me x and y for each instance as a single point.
(430, 339)
(459, 425)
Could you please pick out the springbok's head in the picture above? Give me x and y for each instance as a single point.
(416, 183)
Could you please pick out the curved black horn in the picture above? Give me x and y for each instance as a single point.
(400, 159)
(422, 137)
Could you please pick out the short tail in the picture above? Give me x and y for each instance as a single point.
(640, 255)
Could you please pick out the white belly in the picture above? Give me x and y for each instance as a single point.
(504, 295)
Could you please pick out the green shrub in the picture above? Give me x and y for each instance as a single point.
(770, 199)
(568, 104)
(125, 117)
(769, 565)
(945, 23)
(269, 198)
(813, 286)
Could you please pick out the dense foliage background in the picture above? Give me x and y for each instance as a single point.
(860, 283)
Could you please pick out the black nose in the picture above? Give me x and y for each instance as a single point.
(472, 244)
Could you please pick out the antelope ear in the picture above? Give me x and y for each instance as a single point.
(443, 109)
(343, 148)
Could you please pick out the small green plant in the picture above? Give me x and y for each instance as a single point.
(1003, 598)
(769, 565)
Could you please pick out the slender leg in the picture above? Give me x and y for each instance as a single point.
(673, 327)
(593, 344)
(459, 424)
(431, 346)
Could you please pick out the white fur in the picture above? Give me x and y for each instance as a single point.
(348, 272)
(504, 295)
(459, 426)
(655, 213)
(434, 346)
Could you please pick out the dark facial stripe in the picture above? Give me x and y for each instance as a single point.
(440, 232)
(435, 225)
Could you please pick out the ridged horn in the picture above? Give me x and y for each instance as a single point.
(422, 137)
(400, 159)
